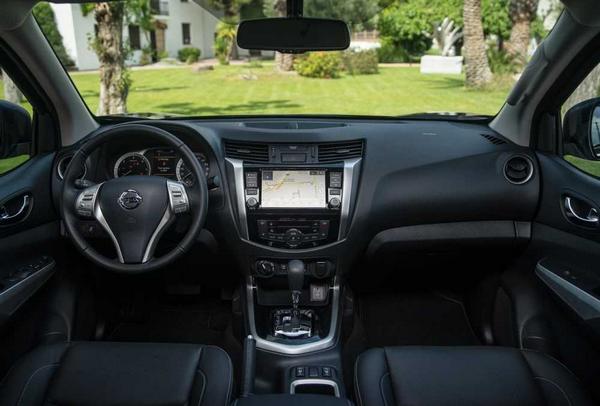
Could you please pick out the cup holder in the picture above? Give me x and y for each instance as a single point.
(315, 387)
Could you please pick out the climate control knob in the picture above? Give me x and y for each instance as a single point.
(335, 203)
(252, 202)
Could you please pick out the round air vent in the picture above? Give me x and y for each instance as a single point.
(63, 163)
(518, 169)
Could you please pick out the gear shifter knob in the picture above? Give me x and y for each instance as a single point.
(296, 275)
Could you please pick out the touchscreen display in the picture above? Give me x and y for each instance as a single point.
(300, 189)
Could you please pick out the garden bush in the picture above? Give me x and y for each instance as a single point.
(325, 65)
(363, 62)
(501, 62)
(189, 54)
(390, 52)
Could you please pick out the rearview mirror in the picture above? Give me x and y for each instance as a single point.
(15, 130)
(581, 130)
(293, 35)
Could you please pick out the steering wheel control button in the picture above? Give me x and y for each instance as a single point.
(130, 199)
(178, 198)
(86, 201)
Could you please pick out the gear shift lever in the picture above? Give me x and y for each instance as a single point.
(295, 282)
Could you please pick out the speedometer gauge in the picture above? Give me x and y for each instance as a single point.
(132, 163)
(185, 176)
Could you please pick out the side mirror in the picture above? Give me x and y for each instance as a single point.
(15, 130)
(581, 130)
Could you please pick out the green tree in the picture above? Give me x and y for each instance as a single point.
(522, 14)
(496, 20)
(45, 17)
(358, 14)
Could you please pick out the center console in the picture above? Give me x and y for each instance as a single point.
(292, 204)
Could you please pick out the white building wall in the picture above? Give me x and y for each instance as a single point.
(202, 27)
(76, 30)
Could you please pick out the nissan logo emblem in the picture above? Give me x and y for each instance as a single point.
(130, 199)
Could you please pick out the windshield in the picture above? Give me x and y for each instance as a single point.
(158, 58)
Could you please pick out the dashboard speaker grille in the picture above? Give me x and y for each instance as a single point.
(250, 152)
(339, 151)
(493, 139)
(518, 169)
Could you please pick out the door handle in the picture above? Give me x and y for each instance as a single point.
(10, 214)
(590, 218)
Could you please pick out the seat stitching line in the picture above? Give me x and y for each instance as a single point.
(205, 381)
(557, 385)
(357, 389)
(387, 367)
(381, 388)
(54, 365)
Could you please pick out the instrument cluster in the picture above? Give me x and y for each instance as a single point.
(158, 162)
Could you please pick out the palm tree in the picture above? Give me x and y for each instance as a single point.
(285, 62)
(522, 13)
(478, 71)
(108, 46)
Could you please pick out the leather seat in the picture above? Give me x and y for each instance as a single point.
(463, 376)
(102, 373)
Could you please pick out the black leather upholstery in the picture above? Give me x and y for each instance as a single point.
(292, 400)
(100, 373)
(463, 376)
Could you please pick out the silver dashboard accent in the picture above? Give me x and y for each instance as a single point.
(290, 349)
(61, 170)
(582, 303)
(350, 183)
(325, 382)
(240, 198)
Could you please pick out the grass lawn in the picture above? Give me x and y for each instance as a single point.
(591, 167)
(9, 163)
(245, 90)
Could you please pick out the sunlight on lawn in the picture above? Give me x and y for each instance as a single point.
(231, 90)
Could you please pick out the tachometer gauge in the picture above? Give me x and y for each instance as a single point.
(185, 176)
(132, 163)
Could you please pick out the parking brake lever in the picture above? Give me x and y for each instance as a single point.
(249, 366)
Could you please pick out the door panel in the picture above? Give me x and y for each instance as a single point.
(28, 228)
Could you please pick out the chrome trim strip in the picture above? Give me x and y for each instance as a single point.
(164, 221)
(324, 343)
(238, 175)
(324, 382)
(100, 218)
(582, 303)
(350, 183)
(61, 173)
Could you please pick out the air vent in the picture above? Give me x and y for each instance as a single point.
(339, 151)
(247, 151)
(493, 139)
(518, 169)
(63, 164)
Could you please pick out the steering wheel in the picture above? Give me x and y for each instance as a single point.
(134, 210)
